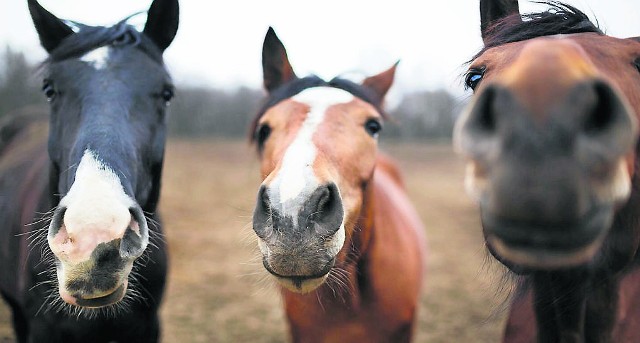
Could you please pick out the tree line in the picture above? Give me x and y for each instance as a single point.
(215, 112)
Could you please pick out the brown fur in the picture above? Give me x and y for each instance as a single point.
(612, 309)
(384, 257)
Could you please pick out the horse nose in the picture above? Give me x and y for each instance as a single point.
(319, 213)
(609, 125)
(600, 120)
(75, 235)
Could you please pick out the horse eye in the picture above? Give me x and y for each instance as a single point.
(48, 90)
(123, 39)
(373, 127)
(262, 134)
(167, 94)
(473, 78)
(637, 63)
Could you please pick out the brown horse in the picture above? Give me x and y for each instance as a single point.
(551, 143)
(335, 226)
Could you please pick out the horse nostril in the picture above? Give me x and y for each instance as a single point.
(325, 207)
(606, 109)
(56, 221)
(476, 131)
(262, 213)
(136, 236)
(608, 124)
(482, 119)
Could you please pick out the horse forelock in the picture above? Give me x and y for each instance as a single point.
(89, 38)
(297, 86)
(560, 18)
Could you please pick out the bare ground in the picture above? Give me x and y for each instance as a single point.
(219, 292)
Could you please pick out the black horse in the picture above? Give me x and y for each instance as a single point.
(87, 275)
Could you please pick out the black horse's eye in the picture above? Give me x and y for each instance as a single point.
(262, 134)
(373, 127)
(473, 78)
(167, 94)
(123, 39)
(637, 64)
(48, 90)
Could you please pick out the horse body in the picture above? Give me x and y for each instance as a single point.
(384, 269)
(334, 224)
(78, 204)
(551, 139)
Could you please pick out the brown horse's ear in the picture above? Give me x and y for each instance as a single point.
(494, 10)
(276, 68)
(162, 22)
(381, 83)
(51, 30)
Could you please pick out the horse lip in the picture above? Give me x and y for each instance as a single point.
(104, 300)
(550, 245)
(299, 278)
(572, 234)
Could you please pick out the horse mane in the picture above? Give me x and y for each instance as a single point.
(560, 18)
(294, 87)
(88, 38)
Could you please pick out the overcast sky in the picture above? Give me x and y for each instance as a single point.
(219, 41)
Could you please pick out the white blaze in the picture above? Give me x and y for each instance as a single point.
(296, 173)
(97, 58)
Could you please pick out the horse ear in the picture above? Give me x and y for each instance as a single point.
(162, 22)
(276, 69)
(51, 30)
(494, 10)
(381, 83)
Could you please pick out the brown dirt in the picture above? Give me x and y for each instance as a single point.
(218, 291)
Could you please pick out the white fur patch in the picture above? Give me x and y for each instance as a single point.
(296, 173)
(97, 58)
(334, 245)
(96, 202)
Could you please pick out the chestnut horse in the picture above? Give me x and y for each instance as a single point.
(334, 223)
(551, 145)
(87, 275)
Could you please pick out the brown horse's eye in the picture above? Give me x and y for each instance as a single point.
(373, 127)
(637, 63)
(473, 78)
(262, 134)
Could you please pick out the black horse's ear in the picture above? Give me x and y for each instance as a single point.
(494, 10)
(51, 30)
(276, 69)
(162, 22)
(381, 83)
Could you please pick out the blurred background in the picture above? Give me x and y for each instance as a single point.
(218, 291)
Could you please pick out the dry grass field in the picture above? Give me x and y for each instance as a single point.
(219, 292)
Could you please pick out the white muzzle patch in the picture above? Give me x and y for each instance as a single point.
(97, 211)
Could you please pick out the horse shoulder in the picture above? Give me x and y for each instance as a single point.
(395, 256)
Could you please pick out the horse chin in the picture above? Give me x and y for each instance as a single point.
(548, 247)
(544, 258)
(301, 285)
(100, 300)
